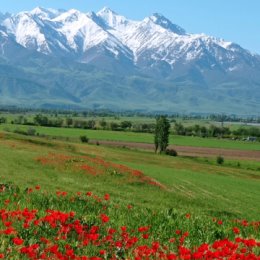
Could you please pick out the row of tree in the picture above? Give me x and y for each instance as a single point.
(202, 131)
(177, 128)
(44, 120)
(215, 131)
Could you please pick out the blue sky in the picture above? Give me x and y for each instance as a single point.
(233, 20)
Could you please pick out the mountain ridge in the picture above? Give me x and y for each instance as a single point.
(152, 58)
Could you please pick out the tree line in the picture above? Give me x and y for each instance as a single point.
(215, 131)
(176, 128)
(92, 124)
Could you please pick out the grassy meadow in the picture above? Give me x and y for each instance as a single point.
(194, 185)
(62, 199)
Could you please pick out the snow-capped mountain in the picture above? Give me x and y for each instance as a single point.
(154, 48)
(60, 33)
(147, 43)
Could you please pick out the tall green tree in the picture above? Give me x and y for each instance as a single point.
(161, 136)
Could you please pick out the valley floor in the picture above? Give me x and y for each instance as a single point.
(190, 150)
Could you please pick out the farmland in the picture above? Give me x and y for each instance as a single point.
(157, 206)
(74, 134)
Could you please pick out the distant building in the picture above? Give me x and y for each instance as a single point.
(251, 139)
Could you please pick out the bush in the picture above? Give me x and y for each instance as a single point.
(84, 139)
(3, 120)
(171, 152)
(31, 131)
(20, 131)
(220, 160)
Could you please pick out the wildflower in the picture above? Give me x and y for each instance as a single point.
(187, 215)
(89, 193)
(118, 244)
(145, 236)
(236, 230)
(17, 241)
(177, 232)
(107, 197)
(9, 231)
(102, 252)
(143, 229)
(29, 190)
(186, 234)
(104, 218)
(123, 228)
(64, 193)
(8, 223)
(171, 257)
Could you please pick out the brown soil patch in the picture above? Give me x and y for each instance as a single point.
(190, 150)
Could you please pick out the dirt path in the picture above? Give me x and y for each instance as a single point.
(190, 150)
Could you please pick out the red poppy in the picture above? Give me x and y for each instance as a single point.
(104, 218)
(107, 197)
(17, 241)
(236, 230)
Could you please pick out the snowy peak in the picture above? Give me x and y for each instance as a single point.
(27, 30)
(98, 20)
(79, 31)
(146, 44)
(45, 13)
(107, 10)
(166, 24)
(82, 32)
(111, 18)
(69, 16)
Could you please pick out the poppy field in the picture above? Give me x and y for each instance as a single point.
(60, 200)
(38, 225)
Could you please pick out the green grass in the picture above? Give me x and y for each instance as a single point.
(213, 143)
(193, 195)
(74, 134)
(239, 164)
(189, 185)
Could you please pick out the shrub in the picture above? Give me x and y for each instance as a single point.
(20, 131)
(171, 152)
(31, 131)
(84, 139)
(220, 160)
(3, 120)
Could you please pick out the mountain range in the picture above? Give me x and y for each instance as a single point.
(69, 59)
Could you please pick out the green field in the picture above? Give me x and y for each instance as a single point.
(188, 185)
(62, 199)
(74, 134)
